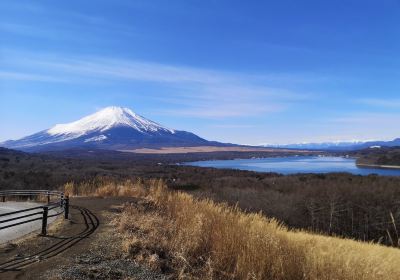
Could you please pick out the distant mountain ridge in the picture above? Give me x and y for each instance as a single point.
(112, 128)
(338, 146)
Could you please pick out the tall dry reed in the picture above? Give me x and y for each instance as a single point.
(238, 245)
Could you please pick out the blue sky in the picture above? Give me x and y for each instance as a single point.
(247, 72)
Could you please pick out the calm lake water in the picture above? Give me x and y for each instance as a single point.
(300, 164)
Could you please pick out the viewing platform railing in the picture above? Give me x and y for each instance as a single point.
(55, 200)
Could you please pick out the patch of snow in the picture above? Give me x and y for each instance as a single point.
(96, 138)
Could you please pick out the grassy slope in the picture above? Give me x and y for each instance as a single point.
(205, 240)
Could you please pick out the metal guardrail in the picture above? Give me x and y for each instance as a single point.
(61, 201)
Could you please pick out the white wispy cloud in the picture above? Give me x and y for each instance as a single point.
(385, 103)
(232, 126)
(367, 118)
(195, 92)
(366, 125)
(20, 76)
(232, 109)
(61, 25)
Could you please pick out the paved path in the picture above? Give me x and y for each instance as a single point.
(20, 230)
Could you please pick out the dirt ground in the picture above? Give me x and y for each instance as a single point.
(83, 247)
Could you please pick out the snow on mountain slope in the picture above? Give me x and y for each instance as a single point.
(111, 128)
(106, 119)
(96, 138)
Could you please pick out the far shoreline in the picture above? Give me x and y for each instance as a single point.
(378, 166)
(211, 149)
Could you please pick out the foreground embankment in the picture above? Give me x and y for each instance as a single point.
(198, 238)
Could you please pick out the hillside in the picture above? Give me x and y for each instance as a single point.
(188, 238)
(143, 230)
(300, 220)
(335, 204)
(384, 156)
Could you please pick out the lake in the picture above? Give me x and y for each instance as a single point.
(299, 164)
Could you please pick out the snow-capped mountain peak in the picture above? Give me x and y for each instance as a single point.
(105, 119)
(113, 128)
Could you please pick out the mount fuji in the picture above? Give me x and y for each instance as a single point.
(112, 128)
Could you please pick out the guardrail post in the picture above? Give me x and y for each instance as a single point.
(44, 220)
(66, 207)
(61, 200)
(48, 197)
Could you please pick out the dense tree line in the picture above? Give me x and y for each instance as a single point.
(379, 156)
(361, 207)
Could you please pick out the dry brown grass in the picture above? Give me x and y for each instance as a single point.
(106, 188)
(200, 239)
